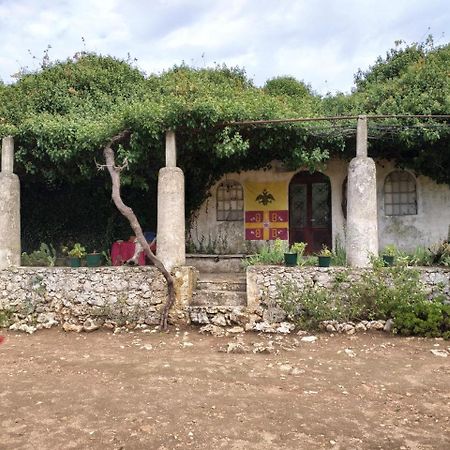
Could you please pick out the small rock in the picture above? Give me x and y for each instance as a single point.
(285, 328)
(90, 325)
(330, 328)
(376, 325)
(237, 347)
(212, 329)
(261, 347)
(67, 326)
(23, 327)
(360, 327)
(309, 339)
(388, 325)
(348, 328)
(350, 352)
(441, 353)
(285, 368)
(235, 330)
(219, 320)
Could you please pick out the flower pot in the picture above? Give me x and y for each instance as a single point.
(324, 261)
(74, 262)
(388, 260)
(290, 259)
(94, 260)
(60, 261)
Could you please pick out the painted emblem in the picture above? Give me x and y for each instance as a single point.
(265, 197)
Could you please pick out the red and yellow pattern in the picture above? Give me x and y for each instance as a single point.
(266, 211)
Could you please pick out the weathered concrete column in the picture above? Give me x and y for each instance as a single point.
(171, 149)
(171, 246)
(10, 246)
(362, 221)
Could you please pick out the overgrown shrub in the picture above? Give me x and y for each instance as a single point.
(382, 293)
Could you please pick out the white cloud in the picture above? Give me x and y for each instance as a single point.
(314, 41)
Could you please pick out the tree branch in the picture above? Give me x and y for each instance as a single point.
(128, 213)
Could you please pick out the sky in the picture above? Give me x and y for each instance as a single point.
(322, 42)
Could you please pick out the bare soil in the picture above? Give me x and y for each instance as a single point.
(168, 391)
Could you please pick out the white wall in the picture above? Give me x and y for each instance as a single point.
(428, 227)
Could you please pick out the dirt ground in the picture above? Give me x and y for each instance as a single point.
(165, 391)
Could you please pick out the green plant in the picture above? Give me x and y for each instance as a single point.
(424, 318)
(299, 248)
(441, 254)
(45, 256)
(77, 251)
(272, 253)
(6, 317)
(339, 257)
(382, 293)
(325, 251)
(390, 250)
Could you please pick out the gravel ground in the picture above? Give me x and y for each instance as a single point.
(145, 390)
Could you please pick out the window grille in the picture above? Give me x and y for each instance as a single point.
(230, 201)
(400, 196)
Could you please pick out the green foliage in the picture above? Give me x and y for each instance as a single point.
(390, 250)
(441, 254)
(6, 317)
(62, 115)
(273, 253)
(287, 86)
(382, 293)
(339, 257)
(325, 251)
(424, 318)
(77, 251)
(45, 256)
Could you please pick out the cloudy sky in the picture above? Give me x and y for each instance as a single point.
(322, 42)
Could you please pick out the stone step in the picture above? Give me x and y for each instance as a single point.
(225, 285)
(203, 297)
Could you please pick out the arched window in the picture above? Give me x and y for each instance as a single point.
(400, 196)
(230, 201)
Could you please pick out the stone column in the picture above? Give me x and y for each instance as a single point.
(171, 149)
(171, 241)
(10, 246)
(362, 221)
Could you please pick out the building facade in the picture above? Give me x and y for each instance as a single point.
(248, 208)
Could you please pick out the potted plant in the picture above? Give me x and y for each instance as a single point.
(75, 255)
(388, 255)
(325, 256)
(291, 258)
(94, 259)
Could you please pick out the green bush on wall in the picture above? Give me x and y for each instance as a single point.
(382, 293)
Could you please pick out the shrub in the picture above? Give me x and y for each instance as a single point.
(45, 256)
(383, 293)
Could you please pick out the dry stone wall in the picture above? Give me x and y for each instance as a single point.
(84, 299)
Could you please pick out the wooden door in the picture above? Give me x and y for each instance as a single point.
(310, 210)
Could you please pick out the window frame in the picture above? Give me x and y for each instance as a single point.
(402, 194)
(225, 212)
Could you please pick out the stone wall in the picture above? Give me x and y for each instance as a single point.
(88, 298)
(262, 281)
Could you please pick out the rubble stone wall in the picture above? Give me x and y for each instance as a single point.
(263, 281)
(87, 298)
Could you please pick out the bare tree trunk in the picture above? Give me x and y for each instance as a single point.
(126, 211)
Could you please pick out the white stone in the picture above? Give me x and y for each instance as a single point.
(309, 338)
(441, 353)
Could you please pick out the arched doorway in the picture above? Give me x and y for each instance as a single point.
(310, 210)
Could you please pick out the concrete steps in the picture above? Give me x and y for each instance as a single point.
(220, 289)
